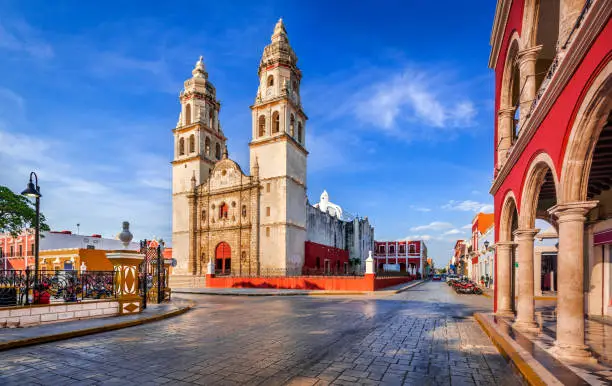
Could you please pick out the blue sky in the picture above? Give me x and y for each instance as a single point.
(398, 94)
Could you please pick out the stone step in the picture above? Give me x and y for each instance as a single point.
(187, 281)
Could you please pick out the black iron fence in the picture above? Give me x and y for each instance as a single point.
(23, 288)
(153, 275)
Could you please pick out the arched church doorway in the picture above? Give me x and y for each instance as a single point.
(223, 258)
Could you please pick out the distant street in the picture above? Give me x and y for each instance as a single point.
(422, 336)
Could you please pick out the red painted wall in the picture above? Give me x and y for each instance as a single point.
(552, 134)
(323, 252)
(329, 283)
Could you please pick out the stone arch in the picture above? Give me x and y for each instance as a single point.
(539, 168)
(509, 214)
(292, 125)
(508, 101)
(270, 81)
(299, 132)
(217, 151)
(275, 122)
(207, 146)
(188, 114)
(192, 148)
(223, 257)
(589, 120)
(181, 147)
(262, 125)
(508, 78)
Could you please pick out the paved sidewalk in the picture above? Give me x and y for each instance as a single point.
(19, 337)
(423, 336)
(532, 355)
(292, 292)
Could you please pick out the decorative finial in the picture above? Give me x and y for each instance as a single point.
(200, 69)
(280, 33)
(126, 236)
(225, 154)
(255, 171)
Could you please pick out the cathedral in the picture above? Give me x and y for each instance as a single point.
(260, 221)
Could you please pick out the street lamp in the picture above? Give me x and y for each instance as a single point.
(33, 190)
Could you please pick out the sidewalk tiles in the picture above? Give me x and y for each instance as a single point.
(531, 355)
(18, 337)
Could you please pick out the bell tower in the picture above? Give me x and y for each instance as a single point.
(278, 145)
(198, 143)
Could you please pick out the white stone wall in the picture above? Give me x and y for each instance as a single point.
(326, 229)
(38, 314)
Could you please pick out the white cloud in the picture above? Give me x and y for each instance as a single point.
(418, 237)
(420, 208)
(19, 36)
(468, 206)
(467, 226)
(453, 231)
(435, 225)
(76, 190)
(412, 95)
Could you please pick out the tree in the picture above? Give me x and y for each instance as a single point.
(17, 213)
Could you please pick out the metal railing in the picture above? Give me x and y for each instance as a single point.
(22, 288)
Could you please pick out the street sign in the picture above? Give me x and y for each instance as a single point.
(173, 262)
(516, 264)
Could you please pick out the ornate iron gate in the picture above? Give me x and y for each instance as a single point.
(153, 274)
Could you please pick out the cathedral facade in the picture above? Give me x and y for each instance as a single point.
(257, 221)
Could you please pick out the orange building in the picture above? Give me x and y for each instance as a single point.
(74, 259)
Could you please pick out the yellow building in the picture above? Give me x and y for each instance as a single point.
(73, 259)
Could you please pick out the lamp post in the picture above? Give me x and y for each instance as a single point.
(33, 190)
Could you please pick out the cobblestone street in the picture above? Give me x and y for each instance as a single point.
(421, 336)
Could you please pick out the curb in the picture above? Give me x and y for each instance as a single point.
(534, 298)
(89, 331)
(321, 293)
(410, 286)
(509, 352)
(237, 294)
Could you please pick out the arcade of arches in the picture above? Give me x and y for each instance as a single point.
(553, 159)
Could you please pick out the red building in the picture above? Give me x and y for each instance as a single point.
(553, 156)
(325, 259)
(403, 256)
